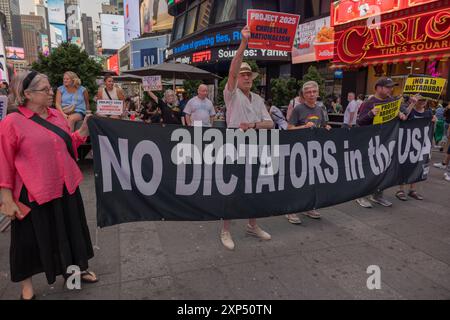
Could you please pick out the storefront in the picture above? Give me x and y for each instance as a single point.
(410, 37)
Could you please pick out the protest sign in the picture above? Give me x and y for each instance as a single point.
(110, 107)
(271, 30)
(152, 83)
(388, 111)
(428, 87)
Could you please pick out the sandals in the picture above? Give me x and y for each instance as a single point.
(401, 195)
(415, 195)
(88, 277)
(293, 218)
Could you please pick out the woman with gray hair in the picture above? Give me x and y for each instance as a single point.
(39, 187)
(170, 111)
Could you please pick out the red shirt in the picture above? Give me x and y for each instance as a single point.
(32, 155)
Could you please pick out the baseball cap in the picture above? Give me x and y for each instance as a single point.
(385, 82)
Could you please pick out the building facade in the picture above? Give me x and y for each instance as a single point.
(33, 27)
(207, 34)
(11, 9)
(88, 34)
(409, 37)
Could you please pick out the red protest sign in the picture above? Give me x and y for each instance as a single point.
(271, 30)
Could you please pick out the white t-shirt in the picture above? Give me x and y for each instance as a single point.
(240, 109)
(200, 110)
(352, 107)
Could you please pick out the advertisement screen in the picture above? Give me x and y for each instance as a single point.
(112, 28)
(45, 45)
(58, 34)
(56, 12)
(73, 21)
(345, 11)
(15, 53)
(314, 41)
(154, 16)
(131, 12)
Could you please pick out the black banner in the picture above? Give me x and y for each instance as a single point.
(149, 172)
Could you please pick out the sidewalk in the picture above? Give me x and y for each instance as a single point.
(325, 259)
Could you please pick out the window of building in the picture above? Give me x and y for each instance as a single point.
(224, 10)
(179, 24)
(191, 19)
(203, 14)
(311, 8)
(258, 4)
(325, 6)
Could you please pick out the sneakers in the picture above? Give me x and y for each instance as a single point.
(380, 200)
(439, 165)
(363, 202)
(313, 214)
(293, 218)
(256, 231)
(227, 241)
(447, 177)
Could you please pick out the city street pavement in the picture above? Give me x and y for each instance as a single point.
(320, 259)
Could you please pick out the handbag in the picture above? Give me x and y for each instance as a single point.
(68, 110)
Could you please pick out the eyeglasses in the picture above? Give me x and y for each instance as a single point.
(311, 92)
(46, 90)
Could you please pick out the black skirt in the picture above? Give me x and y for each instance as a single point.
(52, 237)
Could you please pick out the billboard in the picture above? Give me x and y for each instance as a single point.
(314, 41)
(131, 12)
(58, 34)
(15, 53)
(44, 45)
(56, 12)
(345, 11)
(73, 21)
(155, 16)
(76, 40)
(412, 35)
(112, 29)
(149, 56)
(112, 63)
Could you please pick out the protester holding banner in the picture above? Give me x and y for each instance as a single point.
(245, 110)
(110, 92)
(170, 111)
(308, 115)
(39, 185)
(200, 108)
(72, 99)
(416, 110)
(384, 88)
(351, 111)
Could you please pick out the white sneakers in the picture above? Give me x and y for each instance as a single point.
(255, 231)
(227, 241)
(439, 165)
(447, 177)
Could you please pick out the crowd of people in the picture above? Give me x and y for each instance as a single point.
(40, 178)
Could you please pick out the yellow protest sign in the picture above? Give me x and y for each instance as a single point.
(428, 87)
(388, 111)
